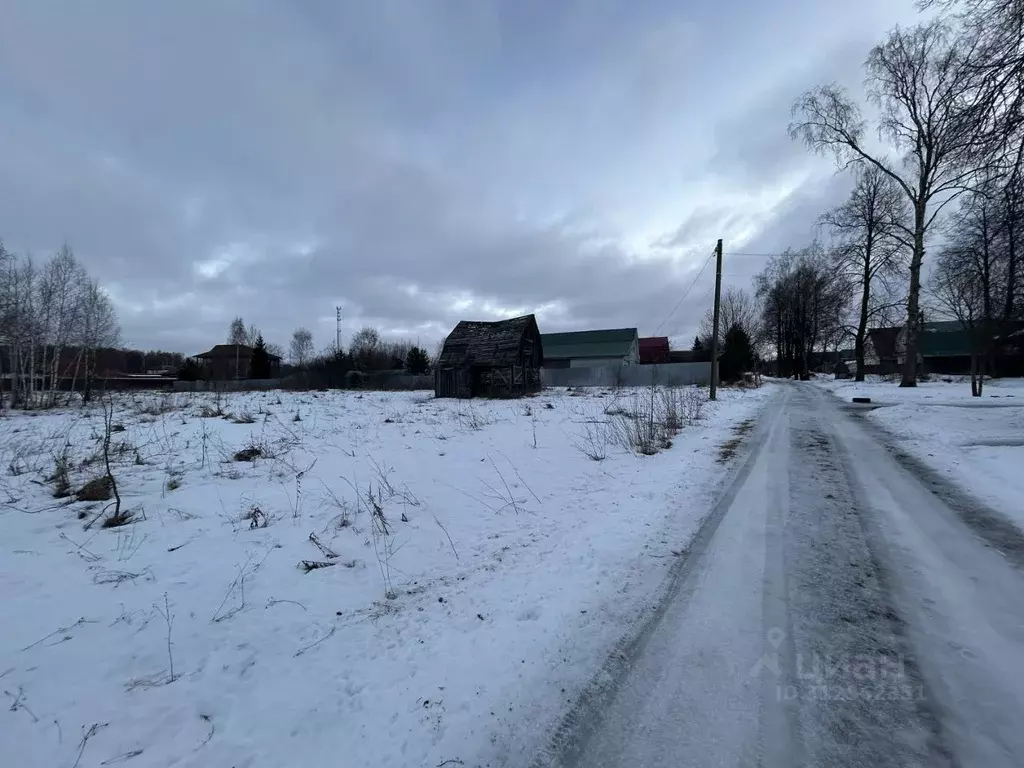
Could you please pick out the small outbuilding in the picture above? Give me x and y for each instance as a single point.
(653, 350)
(490, 359)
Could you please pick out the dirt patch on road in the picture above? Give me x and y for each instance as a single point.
(728, 449)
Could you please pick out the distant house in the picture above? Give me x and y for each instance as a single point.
(653, 349)
(944, 347)
(883, 350)
(490, 359)
(231, 361)
(831, 361)
(582, 349)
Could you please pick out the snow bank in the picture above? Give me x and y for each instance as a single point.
(193, 637)
(976, 441)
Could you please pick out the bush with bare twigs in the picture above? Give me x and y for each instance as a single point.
(593, 440)
(692, 402)
(644, 424)
(640, 427)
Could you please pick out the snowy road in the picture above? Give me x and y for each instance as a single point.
(838, 607)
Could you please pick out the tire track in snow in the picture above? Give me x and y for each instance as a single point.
(585, 720)
(780, 576)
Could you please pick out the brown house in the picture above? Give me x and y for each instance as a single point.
(231, 361)
(490, 359)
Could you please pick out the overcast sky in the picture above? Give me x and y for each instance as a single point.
(415, 162)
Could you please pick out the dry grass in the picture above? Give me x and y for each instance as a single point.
(728, 449)
(249, 453)
(117, 519)
(97, 489)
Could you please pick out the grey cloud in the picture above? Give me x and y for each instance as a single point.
(271, 159)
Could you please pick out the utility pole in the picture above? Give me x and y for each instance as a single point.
(337, 329)
(714, 325)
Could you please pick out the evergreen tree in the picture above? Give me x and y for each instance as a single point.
(259, 363)
(417, 362)
(737, 355)
(698, 345)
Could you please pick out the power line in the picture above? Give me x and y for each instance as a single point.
(685, 293)
(758, 255)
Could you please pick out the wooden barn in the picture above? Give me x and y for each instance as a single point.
(490, 359)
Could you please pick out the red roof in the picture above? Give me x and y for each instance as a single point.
(654, 349)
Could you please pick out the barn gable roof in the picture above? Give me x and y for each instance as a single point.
(487, 343)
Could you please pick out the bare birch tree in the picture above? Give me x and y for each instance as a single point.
(237, 333)
(868, 249)
(738, 309)
(252, 333)
(301, 347)
(54, 321)
(926, 87)
(958, 287)
(99, 329)
(62, 295)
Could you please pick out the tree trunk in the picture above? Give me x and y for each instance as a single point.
(862, 324)
(778, 349)
(914, 300)
(981, 376)
(974, 373)
(74, 378)
(87, 391)
(1011, 258)
(32, 373)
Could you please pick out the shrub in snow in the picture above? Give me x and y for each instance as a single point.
(249, 453)
(60, 478)
(593, 441)
(118, 518)
(97, 489)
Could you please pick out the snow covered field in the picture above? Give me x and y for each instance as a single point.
(480, 564)
(977, 442)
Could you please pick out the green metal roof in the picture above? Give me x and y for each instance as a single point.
(943, 343)
(615, 342)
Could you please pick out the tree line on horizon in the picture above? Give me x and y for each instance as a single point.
(368, 352)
